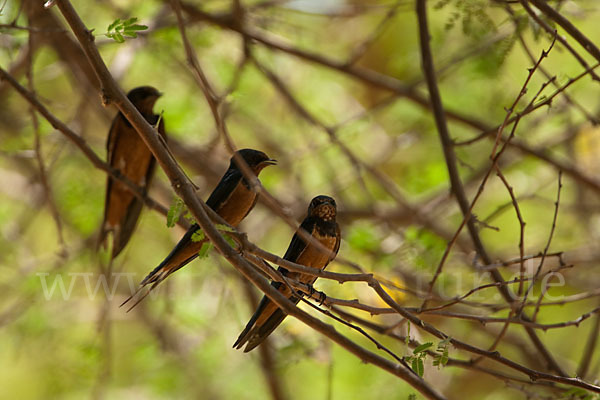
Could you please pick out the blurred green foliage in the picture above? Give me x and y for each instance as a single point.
(64, 342)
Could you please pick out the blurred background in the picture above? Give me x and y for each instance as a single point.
(334, 91)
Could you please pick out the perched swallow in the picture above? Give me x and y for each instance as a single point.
(232, 199)
(128, 153)
(320, 224)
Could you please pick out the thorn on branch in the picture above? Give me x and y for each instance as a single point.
(90, 35)
(106, 99)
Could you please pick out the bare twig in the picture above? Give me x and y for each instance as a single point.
(589, 349)
(557, 17)
(545, 252)
(521, 230)
(457, 188)
(37, 145)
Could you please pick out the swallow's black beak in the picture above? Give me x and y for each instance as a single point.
(270, 161)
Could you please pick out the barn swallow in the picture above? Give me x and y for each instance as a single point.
(128, 153)
(232, 199)
(320, 224)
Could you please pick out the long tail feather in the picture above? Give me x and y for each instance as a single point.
(264, 321)
(245, 335)
(263, 331)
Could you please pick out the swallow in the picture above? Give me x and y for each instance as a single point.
(232, 199)
(321, 225)
(128, 153)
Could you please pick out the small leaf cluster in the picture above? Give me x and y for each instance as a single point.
(416, 359)
(118, 29)
(176, 210)
(199, 236)
(441, 359)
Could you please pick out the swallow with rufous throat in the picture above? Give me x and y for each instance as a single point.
(232, 199)
(128, 153)
(320, 223)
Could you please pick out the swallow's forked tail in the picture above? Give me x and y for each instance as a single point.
(155, 277)
(267, 317)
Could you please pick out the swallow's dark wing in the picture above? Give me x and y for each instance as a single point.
(338, 236)
(127, 152)
(136, 205)
(297, 245)
(111, 143)
(268, 315)
(224, 189)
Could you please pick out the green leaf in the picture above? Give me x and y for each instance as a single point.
(198, 236)
(189, 217)
(174, 212)
(113, 25)
(129, 28)
(131, 31)
(418, 366)
(444, 359)
(421, 348)
(130, 21)
(412, 396)
(443, 344)
(137, 27)
(230, 241)
(441, 360)
(203, 253)
(224, 228)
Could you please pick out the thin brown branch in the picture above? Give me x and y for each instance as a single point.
(545, 252)
(456, 185)
(515, 203)
(557, 17)
(589, 349)
(37, 146)
(517, 321)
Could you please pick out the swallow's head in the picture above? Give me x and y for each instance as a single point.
(256, 160)
(143, 98)
(323, 207)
